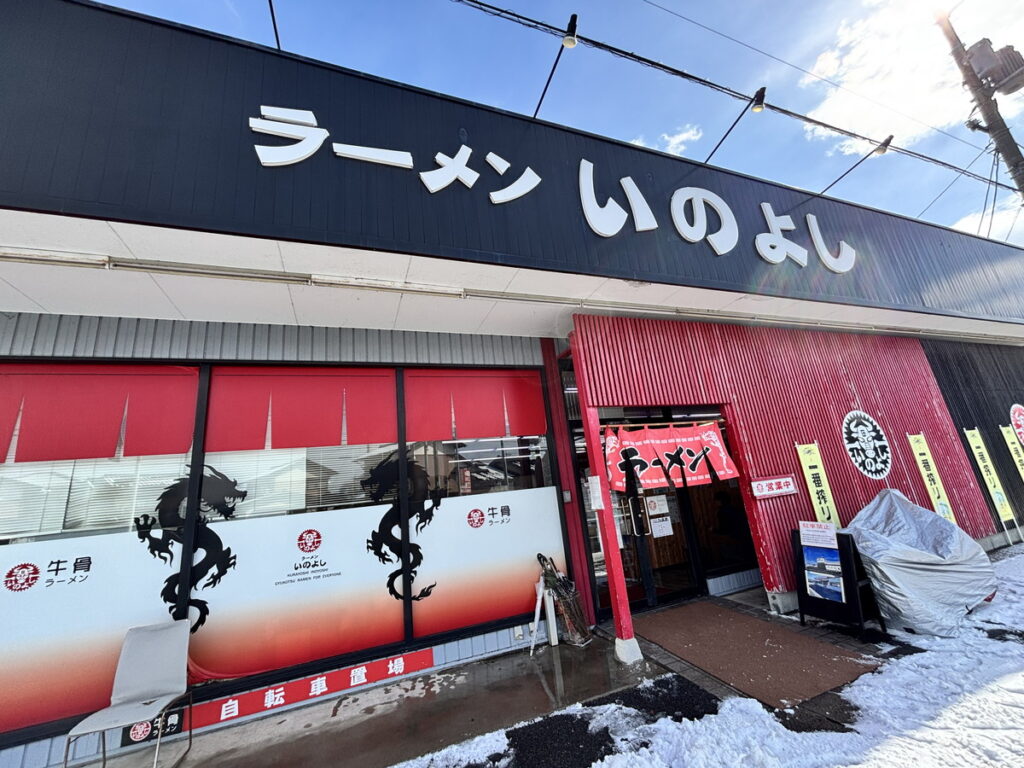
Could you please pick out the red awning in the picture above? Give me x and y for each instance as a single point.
(306, 407)
(442, 404)
(76, 411)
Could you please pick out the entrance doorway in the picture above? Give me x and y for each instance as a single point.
(673, 541)
(658, 552)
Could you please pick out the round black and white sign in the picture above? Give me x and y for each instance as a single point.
(867, 445)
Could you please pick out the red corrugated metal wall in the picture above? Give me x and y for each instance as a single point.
(782, 387)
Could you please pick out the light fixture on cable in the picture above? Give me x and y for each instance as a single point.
(757, 105)
(570, 40)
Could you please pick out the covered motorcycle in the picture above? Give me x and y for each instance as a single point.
(927, 574)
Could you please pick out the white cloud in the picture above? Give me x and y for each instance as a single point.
(895, 54)
(673, 143)
(676, 143)
(1007, 215)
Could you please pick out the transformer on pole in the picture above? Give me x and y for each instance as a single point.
(987, 72)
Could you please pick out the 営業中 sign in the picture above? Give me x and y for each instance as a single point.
(767, 487)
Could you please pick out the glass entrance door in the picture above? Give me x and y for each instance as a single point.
(662, 540)
(672, 538)
(655, 537)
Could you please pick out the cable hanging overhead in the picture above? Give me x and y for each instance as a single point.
(756, 104)
(568, 41)
(810, 73)
(549, 29)
(954, 181)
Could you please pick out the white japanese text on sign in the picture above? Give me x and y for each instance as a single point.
(688, 207)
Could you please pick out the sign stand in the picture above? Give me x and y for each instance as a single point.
(545, 598)
(859, 598)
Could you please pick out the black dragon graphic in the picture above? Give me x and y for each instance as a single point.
(220, 494)
(383, 480)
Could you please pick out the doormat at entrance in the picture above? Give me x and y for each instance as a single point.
(770, 662)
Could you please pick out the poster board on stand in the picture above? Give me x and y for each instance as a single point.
(858, 600)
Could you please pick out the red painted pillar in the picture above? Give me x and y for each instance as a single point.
(579, 549)
(627, 650)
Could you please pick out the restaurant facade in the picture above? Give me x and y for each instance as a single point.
(322, 362)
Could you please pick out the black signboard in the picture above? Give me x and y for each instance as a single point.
(111, 115)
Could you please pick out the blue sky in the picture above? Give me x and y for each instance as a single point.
(887, 50)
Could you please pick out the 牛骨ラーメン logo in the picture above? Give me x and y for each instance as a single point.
(867, 445)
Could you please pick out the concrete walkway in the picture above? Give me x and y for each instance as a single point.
(382, 726)
(379, 727)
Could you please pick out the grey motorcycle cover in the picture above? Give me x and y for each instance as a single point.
(927, 574)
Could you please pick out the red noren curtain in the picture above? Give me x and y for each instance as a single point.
(307, 407)
(482, 401)
(76, 411)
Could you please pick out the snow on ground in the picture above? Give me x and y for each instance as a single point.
(959, 703)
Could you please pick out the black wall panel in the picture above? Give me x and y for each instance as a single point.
(980, 383)
(107, 114)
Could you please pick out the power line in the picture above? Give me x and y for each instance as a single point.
(808, 72)
(657, 65)
(954, 181)
(1014, 224)
(988, 188)
(992, 216)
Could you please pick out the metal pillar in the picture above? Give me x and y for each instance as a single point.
(579, 549)
(627, 650)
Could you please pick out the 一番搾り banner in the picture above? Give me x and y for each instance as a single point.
(817, 484)
(989, 475)
(930, 475)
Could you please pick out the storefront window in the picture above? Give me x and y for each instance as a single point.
(85, 450)
(300, 551)
(485, 465)
(488, 505)
(301, 521)
(52, 497)
(89, 447)
(295, 480)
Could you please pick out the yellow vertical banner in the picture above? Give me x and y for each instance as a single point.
(930, 475)
(1013, 443)
(817, 484)
(988, 473)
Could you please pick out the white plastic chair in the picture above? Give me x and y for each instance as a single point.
(151, 676)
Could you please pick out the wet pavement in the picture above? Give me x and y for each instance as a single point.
(512, 696)
(389, 724)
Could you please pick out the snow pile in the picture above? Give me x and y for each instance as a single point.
(960, 702)
(476, 750)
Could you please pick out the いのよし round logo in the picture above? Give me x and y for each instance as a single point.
(867, 445)
(21, 577)
(140, 731)
(310, 540)
(475, 518)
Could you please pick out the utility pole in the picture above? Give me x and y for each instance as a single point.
(994, 124)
